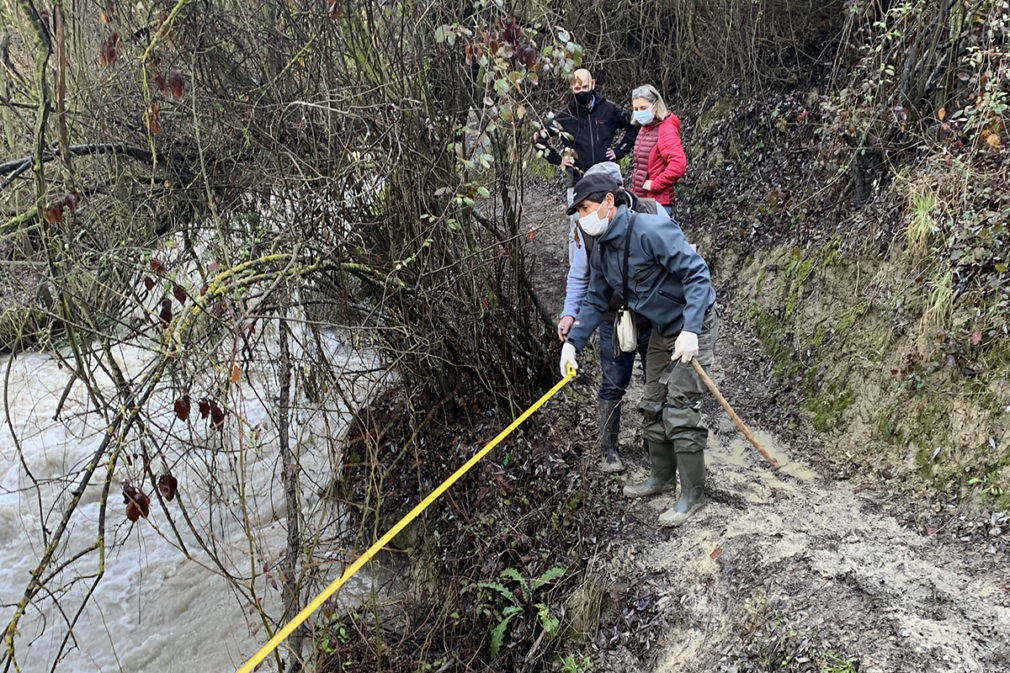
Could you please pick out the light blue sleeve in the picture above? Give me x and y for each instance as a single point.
(594, 305)
(578, 272)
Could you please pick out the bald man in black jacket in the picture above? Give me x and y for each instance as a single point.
(591, 121)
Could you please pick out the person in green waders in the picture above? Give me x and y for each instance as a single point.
(663, 278)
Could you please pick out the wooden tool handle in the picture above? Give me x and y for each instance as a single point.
(732, 414)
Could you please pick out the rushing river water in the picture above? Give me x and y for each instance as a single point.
(154, 609)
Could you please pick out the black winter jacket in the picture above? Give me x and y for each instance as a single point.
(592, 132)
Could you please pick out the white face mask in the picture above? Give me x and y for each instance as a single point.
(592, 224)
(644, 117)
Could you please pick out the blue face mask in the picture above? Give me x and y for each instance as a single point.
(643, 117)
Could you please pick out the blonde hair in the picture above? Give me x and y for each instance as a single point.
(649, 93)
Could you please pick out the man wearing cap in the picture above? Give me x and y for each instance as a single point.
(616, 371)
(669, 283)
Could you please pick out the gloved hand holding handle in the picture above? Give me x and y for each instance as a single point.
(568, 358)
(685, 348)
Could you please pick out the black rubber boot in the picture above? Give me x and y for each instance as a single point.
(691, 467)
(609, 417)
(662, 472)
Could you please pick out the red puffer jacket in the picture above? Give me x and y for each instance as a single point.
(658, 156)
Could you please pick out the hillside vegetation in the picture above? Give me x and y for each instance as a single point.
(245, 192)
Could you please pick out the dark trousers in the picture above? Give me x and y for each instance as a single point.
(673, 410)
(617, 371)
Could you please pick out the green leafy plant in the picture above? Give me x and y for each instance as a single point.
(338, 631)
(509, 605)
(434, 665)
(989, 484)
(835, 664)
(569, 664)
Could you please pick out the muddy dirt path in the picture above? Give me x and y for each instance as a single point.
(790, 570)
(790, 565)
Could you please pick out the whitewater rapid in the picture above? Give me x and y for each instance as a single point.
(154, 609)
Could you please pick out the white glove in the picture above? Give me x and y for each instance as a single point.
(568, 358)
(685, 348)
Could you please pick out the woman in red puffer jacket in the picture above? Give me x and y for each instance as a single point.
(659, 159)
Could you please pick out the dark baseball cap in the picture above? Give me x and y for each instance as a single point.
(592, 184)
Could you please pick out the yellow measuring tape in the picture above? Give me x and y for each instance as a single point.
(288, 628)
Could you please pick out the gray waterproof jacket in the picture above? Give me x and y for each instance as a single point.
(668, 281)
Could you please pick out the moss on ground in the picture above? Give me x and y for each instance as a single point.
(850, 316)
(830, 404)
(819, 334)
